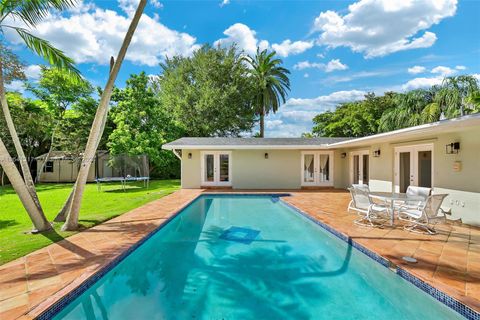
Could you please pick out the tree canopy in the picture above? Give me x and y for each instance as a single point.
(208, 94)
(142, 125)
(392, 111)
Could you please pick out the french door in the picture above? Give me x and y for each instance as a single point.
(413, 166)
(359, 167)
(317, 168)
(216, 168)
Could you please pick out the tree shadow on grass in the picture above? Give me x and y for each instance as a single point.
(7, 223)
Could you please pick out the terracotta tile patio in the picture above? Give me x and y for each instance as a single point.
(449, 261)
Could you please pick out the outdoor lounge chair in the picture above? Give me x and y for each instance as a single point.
(370, 212)
(425, 215)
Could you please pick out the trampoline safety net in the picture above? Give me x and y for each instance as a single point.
(122, 168)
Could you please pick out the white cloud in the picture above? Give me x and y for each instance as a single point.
(246, 40)
(224, 3)
(32, 72)
(460, 67)
(422, 83)
(15, 85)
(287, 47)
(244, 37)
(157, 4)
(307, 64)
(335, 64)
(295, 116)
(416, 69)
(332, 65)
(444, 71)
(306, 75)
(380, 27)
(92, 34)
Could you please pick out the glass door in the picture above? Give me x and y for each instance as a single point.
(223, 169)
(413, 166)
(216, 168)
(309, 169)
(317, 168)
(359, 167)
(208, 169)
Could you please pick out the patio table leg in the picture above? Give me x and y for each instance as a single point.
(392, 220)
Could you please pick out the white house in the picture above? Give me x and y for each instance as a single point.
(444, 155)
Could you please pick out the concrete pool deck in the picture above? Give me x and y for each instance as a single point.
(448, 261)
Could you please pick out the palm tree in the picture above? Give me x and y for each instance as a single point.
(408, 110)
(453, 97)
(271, 84)
(29, 13)
(72, 206)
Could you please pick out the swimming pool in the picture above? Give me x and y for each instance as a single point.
(250, 257)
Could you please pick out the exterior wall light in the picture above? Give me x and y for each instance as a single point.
(189, 155)
(266, 155)
(376, 153)
(452, 148)
(343, 155)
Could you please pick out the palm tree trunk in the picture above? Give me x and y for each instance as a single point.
(262, 123)
(35, 213)
(96, 132)
(27, 176)
(62, 214)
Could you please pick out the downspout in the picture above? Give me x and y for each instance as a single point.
(175, 152)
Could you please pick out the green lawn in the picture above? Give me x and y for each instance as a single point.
(96, 208)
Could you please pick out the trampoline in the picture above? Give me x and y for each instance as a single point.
(122, 168)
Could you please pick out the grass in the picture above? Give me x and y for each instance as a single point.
(97, 207)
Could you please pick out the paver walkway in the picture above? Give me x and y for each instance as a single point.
(450, 260)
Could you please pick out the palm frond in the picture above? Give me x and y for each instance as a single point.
(52, 55)
(32, 12)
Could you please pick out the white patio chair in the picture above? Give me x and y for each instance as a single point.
(370, 213)
(414, 191)
(351, 204)
(425, 215)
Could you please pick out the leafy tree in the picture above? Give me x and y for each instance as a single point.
(209, 93)
(271, 84)
(60, 91)
(392, 111)
(354, 119)
(33, 122)
(74, 128)
(142, 125)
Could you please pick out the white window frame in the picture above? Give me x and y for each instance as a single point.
(414, 150)
(360, 154)
(316, 166)
(216, 169)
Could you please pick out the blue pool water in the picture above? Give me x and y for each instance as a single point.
(250, 257)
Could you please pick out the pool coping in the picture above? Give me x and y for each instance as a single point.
(47, 310)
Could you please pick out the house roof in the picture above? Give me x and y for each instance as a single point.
(424, 131)
(251, 143)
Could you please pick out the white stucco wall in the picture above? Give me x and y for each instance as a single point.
(250, 169)
(463, 186)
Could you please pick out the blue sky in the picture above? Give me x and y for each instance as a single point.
(336, 50)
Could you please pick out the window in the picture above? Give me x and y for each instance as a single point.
(48, 166)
